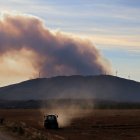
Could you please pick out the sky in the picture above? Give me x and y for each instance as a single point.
(113, 26)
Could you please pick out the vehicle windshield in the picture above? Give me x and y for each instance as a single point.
(51, 117)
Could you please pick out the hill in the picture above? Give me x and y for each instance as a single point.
(102, 87)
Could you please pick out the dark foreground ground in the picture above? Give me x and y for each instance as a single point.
(99, 125)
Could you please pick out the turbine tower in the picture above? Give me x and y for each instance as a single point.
(116, 73)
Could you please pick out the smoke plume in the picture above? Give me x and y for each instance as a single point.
(53, 53)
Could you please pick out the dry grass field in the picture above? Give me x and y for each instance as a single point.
(98, 125)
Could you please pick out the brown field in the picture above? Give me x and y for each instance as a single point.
(99, 125)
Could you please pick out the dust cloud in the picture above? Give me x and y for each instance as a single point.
(68, 112)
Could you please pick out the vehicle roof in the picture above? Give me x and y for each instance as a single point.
(51, 115)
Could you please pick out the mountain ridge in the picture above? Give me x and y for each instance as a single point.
(104, 87)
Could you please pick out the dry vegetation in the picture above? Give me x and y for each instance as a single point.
(100, 125)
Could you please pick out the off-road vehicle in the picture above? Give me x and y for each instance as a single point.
(50, 122)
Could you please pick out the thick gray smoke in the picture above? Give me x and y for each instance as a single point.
(55, 53)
